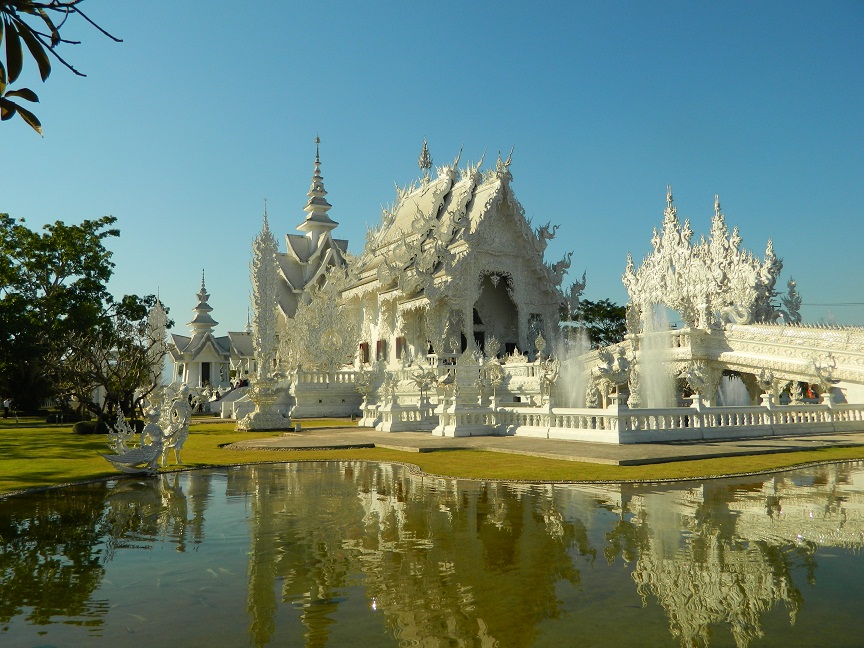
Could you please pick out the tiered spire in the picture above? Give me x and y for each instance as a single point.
(317, 221)
(317, 206)
(202, 322)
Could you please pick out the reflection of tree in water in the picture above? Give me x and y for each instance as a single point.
(446, 563)
(50, 564)
(54, 544)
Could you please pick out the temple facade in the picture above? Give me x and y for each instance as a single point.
(201, 359)
(453, 264)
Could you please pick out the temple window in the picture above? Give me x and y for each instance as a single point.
(381, 350)
(364, 352)
(400, 346)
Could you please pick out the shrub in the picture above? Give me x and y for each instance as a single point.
(89, 427)
(95, 427)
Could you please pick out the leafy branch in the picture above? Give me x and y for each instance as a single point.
(37, 26)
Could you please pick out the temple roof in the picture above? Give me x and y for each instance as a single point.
(241, 343)
(187, 349)
(309, 255)
(436, 222)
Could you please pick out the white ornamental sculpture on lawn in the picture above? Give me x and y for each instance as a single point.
(264, 272)
(141, 459)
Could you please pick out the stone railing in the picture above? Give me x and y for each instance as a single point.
(415, 417)
(312, 377)
(622, 425)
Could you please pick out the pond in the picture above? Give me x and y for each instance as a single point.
(368, 554)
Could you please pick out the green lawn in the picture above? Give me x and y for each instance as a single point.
(35, 454)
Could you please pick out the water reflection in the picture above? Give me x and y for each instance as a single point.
(349, 553)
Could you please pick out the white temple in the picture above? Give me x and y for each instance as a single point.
(201, 358)
(447, 321)
(453, 263)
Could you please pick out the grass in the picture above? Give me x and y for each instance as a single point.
(35, 454)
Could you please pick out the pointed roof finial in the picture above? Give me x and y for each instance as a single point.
(669, 199)
(502, 167)
(266, 225)
(716, 204)
(425, 160)
(458, 157)
(317, 206)
(202, 321)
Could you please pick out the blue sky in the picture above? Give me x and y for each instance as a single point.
(205, 110)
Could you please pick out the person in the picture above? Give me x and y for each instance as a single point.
(7, 403)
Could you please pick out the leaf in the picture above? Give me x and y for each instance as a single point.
(13, 53)
(25, 93)
(36, 50)
(7, 109)
(31, 119)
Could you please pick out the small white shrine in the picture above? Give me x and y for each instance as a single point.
(201, 359)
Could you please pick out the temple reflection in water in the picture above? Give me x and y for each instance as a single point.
(348, 552)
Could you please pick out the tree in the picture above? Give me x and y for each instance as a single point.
(604, 320)
(52, 290)
(122, 356)
(37, 26)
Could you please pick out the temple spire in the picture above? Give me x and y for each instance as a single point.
(317, 221)
(716, 205)
(202, 322)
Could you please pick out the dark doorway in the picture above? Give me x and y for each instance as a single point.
(480, 340)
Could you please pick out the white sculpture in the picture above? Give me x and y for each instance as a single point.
(141, 459)
(264, 274)
(701, 280)
(174, 421)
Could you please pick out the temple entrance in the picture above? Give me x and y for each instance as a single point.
(495, 314)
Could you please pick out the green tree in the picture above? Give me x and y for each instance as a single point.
(122, 356)
(35, 25)
(604, 320)
(52, 290)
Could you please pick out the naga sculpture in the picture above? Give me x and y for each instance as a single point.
(161, 433)
(141, 459)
